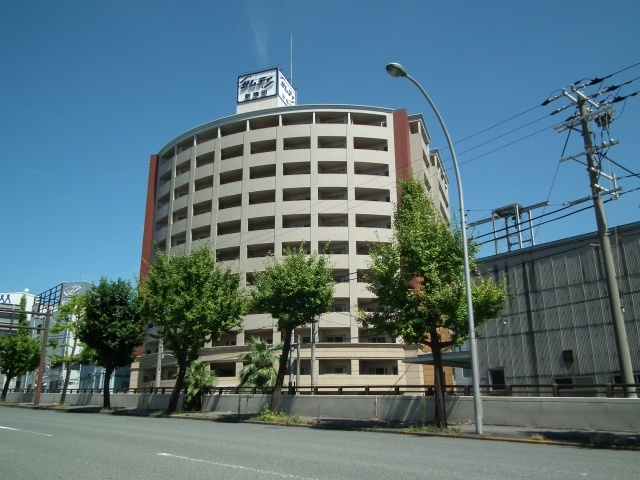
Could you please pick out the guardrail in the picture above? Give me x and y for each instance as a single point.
(608, 390)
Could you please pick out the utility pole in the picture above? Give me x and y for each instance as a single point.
(158, 378)
(313, 358)
(298, 366)
(291, 363)
(619, 330)
(43, 356)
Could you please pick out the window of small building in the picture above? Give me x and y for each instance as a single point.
(332, 142)
(296, 143)
(226, 254)
(263, 146)
(262, 223)
(331, 117)
(231, 176)
(231, 128)
(226, 228)
(305, 118)
(205, 159)
(262, 171)
(361, 143)
(231, 152)
(229, 202)
(264, 122)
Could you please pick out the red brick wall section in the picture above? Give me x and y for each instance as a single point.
(149, 214)
(147, 235)
(402, 143)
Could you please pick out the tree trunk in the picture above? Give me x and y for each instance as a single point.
(439, 385)
(282, 369)
(5, 389)
(67, 374)
(177, 388)
(106, 402)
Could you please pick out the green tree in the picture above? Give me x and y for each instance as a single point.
(19, 353)
(198, 379)
(259, 370)
(67, 319)
(419, 282)
(111, 326)
(193, 300)
(295, 290)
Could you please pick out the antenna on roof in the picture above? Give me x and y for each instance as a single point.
(291, 62)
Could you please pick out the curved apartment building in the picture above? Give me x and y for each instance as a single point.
(263, 180)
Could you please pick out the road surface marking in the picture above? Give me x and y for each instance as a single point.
(239, 467)
(25, 431)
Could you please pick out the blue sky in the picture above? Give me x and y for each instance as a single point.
(90, 89)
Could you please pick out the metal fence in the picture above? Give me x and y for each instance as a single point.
(608, 390)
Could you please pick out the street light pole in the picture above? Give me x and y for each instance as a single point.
(397, 70)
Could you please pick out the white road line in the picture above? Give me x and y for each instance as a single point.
(25, 431)
(239, 467)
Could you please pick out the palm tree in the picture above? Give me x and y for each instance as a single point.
(199, 379)
(259, 370)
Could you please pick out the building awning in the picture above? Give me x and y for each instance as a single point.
(449, 359)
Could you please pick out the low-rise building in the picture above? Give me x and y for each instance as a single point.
(9, 318)
(557, 325)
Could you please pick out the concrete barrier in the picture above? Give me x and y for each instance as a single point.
(239, 404)
(155, 402)
(608, 414)
(118, 400)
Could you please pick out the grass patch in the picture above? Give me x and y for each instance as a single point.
(108, 410)
(537, 437)
(433, 429)
(282, 418)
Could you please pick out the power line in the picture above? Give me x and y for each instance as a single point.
(553, 219)
(307, 210)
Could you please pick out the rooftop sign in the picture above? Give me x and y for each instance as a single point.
(265, 84)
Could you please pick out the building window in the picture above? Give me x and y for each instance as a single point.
(335, 339)
(335, 370)
(377, 339)
(617, 378)
(563, 380)
(382, 371)
(496, 375)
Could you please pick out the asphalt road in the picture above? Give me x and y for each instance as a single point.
(38, 444)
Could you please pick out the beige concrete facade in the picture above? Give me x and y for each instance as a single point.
(262, 181)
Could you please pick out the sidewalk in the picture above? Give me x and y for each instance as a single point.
(524, 434)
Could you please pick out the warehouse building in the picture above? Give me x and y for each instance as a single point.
(557, 325)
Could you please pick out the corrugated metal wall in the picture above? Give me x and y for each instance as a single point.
(559, 303)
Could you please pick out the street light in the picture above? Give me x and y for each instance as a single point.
(396, 70)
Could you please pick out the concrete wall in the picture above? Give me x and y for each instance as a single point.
(118, 400)
(609, 414)
(621, 414)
